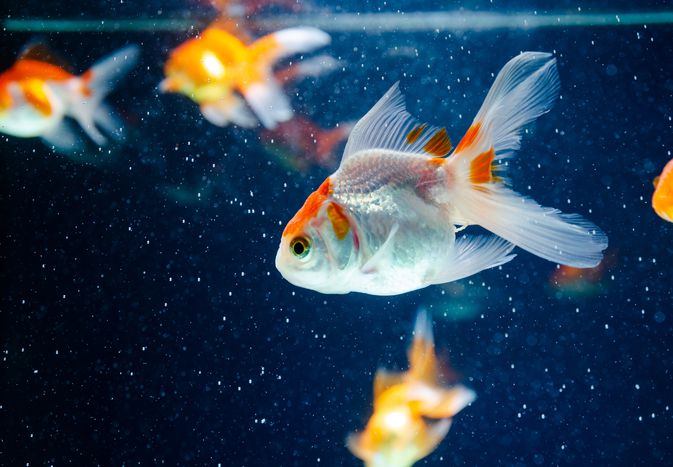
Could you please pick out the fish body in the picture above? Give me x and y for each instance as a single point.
(233, 82)
(386, 221)
(36, 95)
(412, 410)
(662, 199)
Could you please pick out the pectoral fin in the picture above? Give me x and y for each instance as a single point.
(372, 264)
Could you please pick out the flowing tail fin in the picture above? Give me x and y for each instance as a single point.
(266, 97)
(524, 89)
(88, 92)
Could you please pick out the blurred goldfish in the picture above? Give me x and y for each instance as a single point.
(301, 143)
(36, 93)
(662, 200)
(385, 222)
(217, 68)
(412, 410)
(581, 283)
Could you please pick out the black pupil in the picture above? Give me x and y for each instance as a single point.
(298, 248)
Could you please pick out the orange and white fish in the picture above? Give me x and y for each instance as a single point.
(385, 222)
(412, 410)
(36, 95)
(662, 200)
(217, 68)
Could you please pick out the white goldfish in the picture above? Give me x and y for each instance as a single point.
(385, 222)
(36, 94)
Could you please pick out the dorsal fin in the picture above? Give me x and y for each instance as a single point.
(389, 126)
(41, 52)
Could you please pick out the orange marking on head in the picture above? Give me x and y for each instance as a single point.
(481, 168)
(469, 137)
(439, 145)
(415, 133)
(337, 217)
(309, 210)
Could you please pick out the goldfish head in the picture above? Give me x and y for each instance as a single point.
(319, 245)
(199, 69)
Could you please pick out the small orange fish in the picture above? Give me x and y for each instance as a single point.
(218, 71)
(36, 93)
(412, 410)
(662, 200)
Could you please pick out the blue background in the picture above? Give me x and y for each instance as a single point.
(143, 323)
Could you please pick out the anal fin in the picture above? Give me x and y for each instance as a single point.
(472, 255)
(63, 139)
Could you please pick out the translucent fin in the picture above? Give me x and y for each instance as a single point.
(422, 359)
(562, 238)
(286, 42)
(446, 403)
(269, 103)
(354, 445)
(386, 379)
(63, 139)
(373, 263)
(108, 120)
(104, 76)
(472, 255)
(389, 126)
(525, 88)
(88, 91)
(226, 111)
(435, 433)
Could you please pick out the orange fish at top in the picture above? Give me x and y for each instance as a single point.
(37, 93)
(412, 410)
(662, 200)
(233, 82)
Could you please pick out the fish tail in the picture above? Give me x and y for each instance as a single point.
(422, 358)
(446, 403)
(88, 91)
(265, 96)
(524, 89)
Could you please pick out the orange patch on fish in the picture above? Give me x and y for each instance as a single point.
(439, 145)
(36, 95)
(481, 168)
(436, 161)
(469, 137)
(339, 221)
(414, 134)
(662, 199)
(309, 210)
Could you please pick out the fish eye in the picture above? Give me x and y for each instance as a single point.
(300, 247)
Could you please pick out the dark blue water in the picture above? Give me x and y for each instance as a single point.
(143, 320)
